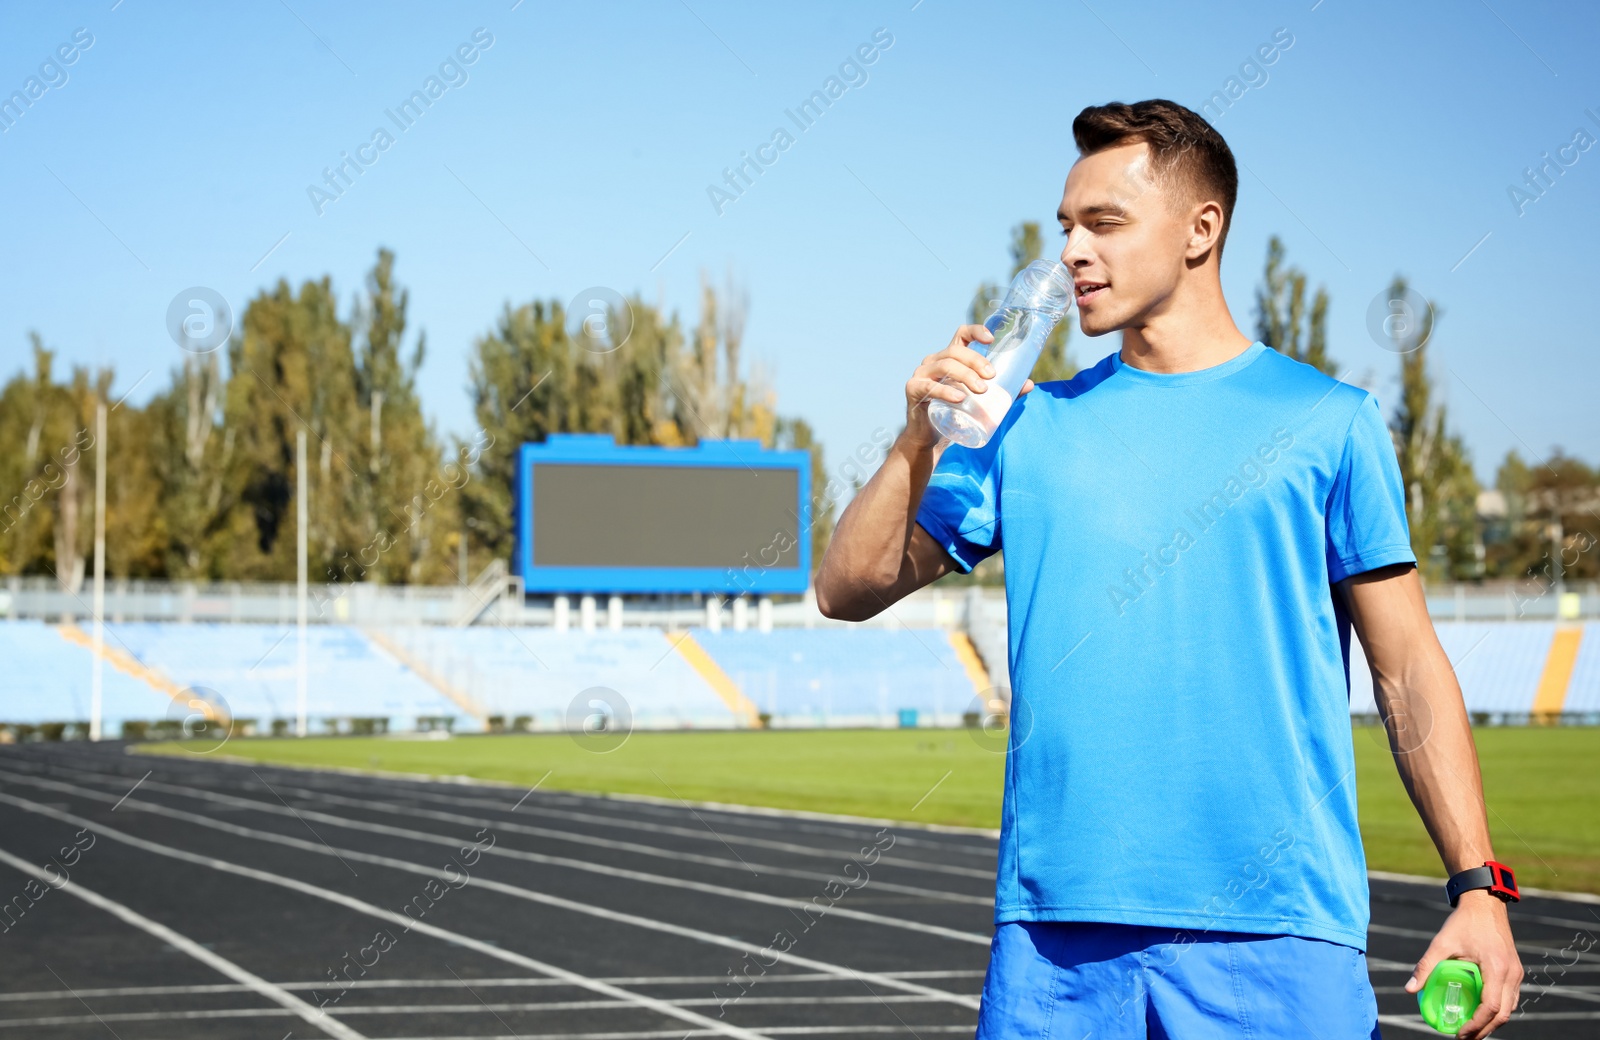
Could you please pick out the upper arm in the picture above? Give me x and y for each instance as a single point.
(1389, 613)
(925, 563)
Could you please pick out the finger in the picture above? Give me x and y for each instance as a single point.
(969, 357)
(1478, 1026)
(1027, 384)
(1504, 980)
(967, 333)
(1424, 968)
(1499, 1000)
(950, 368)
(1508, 1002)
(924, 389)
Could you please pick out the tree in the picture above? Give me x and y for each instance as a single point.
(532, 376)
(1441, 489)
(46, 428)
(290, 371)
(201, 482)
(1027, 246)
(407, 499)
(189, 451)
(1550, 503)
(1281, 320)
(797, 435)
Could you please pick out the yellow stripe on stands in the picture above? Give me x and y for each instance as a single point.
(1557, 675)
(967, 654)
(743, 708)
(460, 698)
(126, 663)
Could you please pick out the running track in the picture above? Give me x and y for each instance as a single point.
(222, 901)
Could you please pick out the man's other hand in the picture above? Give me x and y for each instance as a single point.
(1478, 930)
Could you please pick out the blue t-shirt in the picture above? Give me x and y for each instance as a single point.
(1180, 748)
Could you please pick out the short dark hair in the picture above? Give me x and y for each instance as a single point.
(1185, 150)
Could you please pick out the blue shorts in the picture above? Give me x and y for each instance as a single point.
(1071, 980)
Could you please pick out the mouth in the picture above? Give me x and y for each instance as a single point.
(1088, 292)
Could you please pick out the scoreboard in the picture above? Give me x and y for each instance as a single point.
(726, 517)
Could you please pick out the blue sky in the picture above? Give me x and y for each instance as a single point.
(579, 150)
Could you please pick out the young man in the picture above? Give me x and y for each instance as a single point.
(1191, 526)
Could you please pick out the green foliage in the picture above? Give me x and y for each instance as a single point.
(531, 377)
(200, 482)
(797, 435)
(1441, 489)
(1549, 503)
(1281, 319)
(46, 430)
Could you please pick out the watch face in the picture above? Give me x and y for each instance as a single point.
(1505, 882)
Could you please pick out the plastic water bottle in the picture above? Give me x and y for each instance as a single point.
(1451, 994)
(1038, 298)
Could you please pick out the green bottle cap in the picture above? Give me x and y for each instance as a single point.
(1451, 995)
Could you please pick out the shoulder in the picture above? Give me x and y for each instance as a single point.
(1327, 403)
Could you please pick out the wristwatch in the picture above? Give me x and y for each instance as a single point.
(1496, 877)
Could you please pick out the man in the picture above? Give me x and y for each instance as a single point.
(1191, 527)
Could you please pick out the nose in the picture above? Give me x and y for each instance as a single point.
(1076, 252)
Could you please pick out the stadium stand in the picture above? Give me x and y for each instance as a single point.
(1508, 670)
(1583, 692)
(538, 674)
(536, 677)
(46, 678)
(847, 676)
(251, 669)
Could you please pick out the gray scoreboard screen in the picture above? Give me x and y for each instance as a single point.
(726, 516)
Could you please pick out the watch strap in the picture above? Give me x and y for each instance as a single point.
(1496, 877)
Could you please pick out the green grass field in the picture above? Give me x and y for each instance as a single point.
(1543, 785)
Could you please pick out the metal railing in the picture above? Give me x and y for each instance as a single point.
(495, 600)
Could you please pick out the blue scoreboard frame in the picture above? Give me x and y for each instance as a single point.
(598, 450)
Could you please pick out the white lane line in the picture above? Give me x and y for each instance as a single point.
(1437, 883)
(508, 1007)
(361, 906)
(277, 994)
(397, 809)
(723, 891)
(412, 811)
(628, 823)
(489, 983)
(1530, 993)
(839, 825)
(132, 789)
(1417, 933)
(661, 1034)
(687, 832)
(635, 920)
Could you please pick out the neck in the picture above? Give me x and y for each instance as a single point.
(1191, 329)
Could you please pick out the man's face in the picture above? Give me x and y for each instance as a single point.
(1125, 242)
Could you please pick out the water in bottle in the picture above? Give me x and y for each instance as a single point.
(1038, 298)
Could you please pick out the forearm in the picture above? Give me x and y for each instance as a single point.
(868, 563)
(1431, 739)
(1416, 688)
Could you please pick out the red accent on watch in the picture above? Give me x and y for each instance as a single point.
(1505, 882)
(1497, 878)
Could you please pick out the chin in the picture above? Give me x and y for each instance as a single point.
(1092, 327)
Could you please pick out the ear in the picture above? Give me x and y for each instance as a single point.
(1205, 230)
